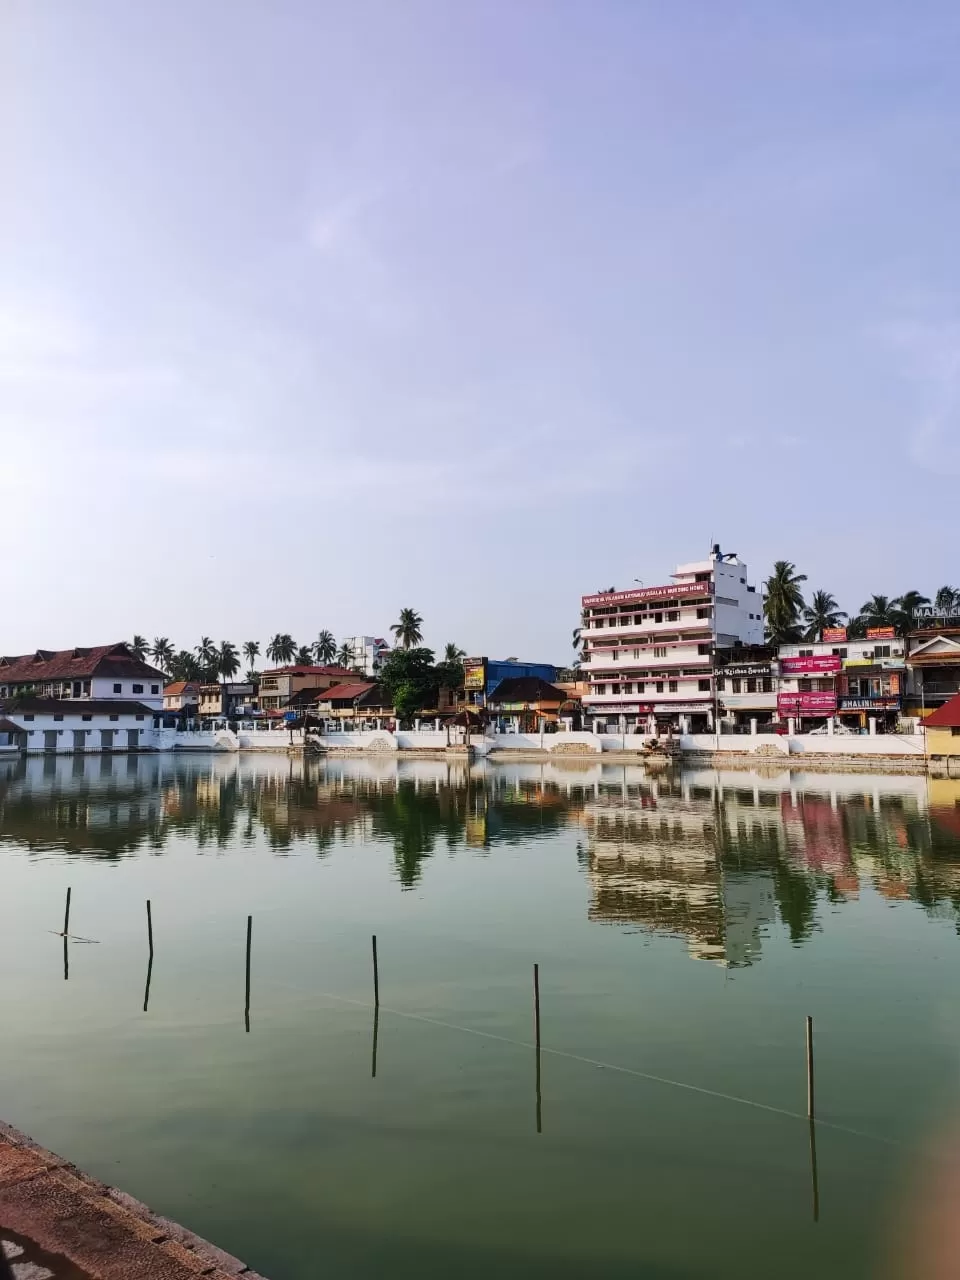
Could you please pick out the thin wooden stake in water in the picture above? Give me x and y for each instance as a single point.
(810, 1106)
(536, 1018)
(146, 992)
(376, 975)
(150, 928)
(376, 1028)
(813, 1171)
(246, 1009)
(66, 960)
(66, 915)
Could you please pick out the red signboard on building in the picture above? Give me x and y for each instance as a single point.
(825, 664)
(834, 635)
(881, 633)
(649, 593)
(806, 704)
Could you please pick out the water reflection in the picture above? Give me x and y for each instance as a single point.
(715, 858)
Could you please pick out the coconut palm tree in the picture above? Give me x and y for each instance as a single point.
(905, 607)
(207, 654)
(878, 611)
(161, 651)
(325, 647)
(281, 648)
(947, 598)
(228, 660)
(821, 613)
(139, 646)
(345, 657)
(304, 656)
(453, 653)
(251, 651)
(407, 630)
(783, 601)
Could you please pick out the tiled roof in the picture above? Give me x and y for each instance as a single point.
(180, 686)
(526, 689)
(945, 717)
(75, 664)
(342, 692)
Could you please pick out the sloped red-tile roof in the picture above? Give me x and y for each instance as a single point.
(74, 664)
(307, 671)
(180, 686)
(343, 692)
(945, 717)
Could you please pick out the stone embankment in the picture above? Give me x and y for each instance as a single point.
(57, 1223)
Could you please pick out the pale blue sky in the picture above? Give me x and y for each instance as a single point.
(311, 311)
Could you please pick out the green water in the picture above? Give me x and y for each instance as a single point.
(684, 927)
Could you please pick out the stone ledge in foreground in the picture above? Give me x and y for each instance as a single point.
(92, 1231)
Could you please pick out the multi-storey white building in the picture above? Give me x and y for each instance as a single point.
(649, 652)
(368, 652)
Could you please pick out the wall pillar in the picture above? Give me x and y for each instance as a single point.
(873, 726)
(792, 727)
(830, 727)
(753, 726)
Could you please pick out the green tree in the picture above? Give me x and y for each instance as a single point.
(821, 613)
(878, 611)
(184, 666)
(161, 651)
(407, 630)
(947, 598)
(251, 651)
(325, 648)
(304, 656)
(207, 655)
(409, 680)
(228, 660)
(139, 646)
(345, 656)
(453, 653)
(783, 602)
(282, 648)
(904, 608)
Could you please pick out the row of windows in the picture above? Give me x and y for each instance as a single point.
(658, 651)
(136, 688)
(751, 685)
(638, 619)
(31, 716)
(703, 686)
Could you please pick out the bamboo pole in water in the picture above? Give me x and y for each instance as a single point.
(150, 928)
(246, 1010)
(66, 915)
(810, 1099)
(376, 975)
(536, 1017)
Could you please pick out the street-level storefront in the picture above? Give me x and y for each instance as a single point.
(745, 692)
(870, 692)
(810, 709)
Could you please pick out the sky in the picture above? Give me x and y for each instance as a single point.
(310, 312)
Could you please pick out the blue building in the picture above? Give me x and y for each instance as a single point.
(482, 675)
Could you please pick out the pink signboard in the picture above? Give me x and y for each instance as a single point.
(649, 593)
(806, 704)
(825, 664)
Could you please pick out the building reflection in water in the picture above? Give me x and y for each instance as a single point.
(713, 858)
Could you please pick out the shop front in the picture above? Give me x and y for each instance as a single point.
(745, 692)
(809, 710)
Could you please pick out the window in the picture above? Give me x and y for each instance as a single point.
(77, 686)
(86, 717)
(806, 653)
(114, 717)
(138, 688)
(703, 650)
(673, 615)
(881, 651)
(703, 686)
(955, 732)
(626, 688)
(615, 654)
(659, 686)
(636, 654)
(703, 613)
(660, 651)
(702, 577)
(805, 686)
(118, 688)
(671, 686)
(640, 686)
(734, 686)
(658, 617)
(721, 684)
(597, 622)
(28, 717)
(86, 688)
(139, 717)
(154, 688)
(600, 688)
(638, 619)
(766, 684)
(752, 685)
(58, 717)
(839, 653)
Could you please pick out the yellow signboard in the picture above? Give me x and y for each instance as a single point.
(474, 674)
